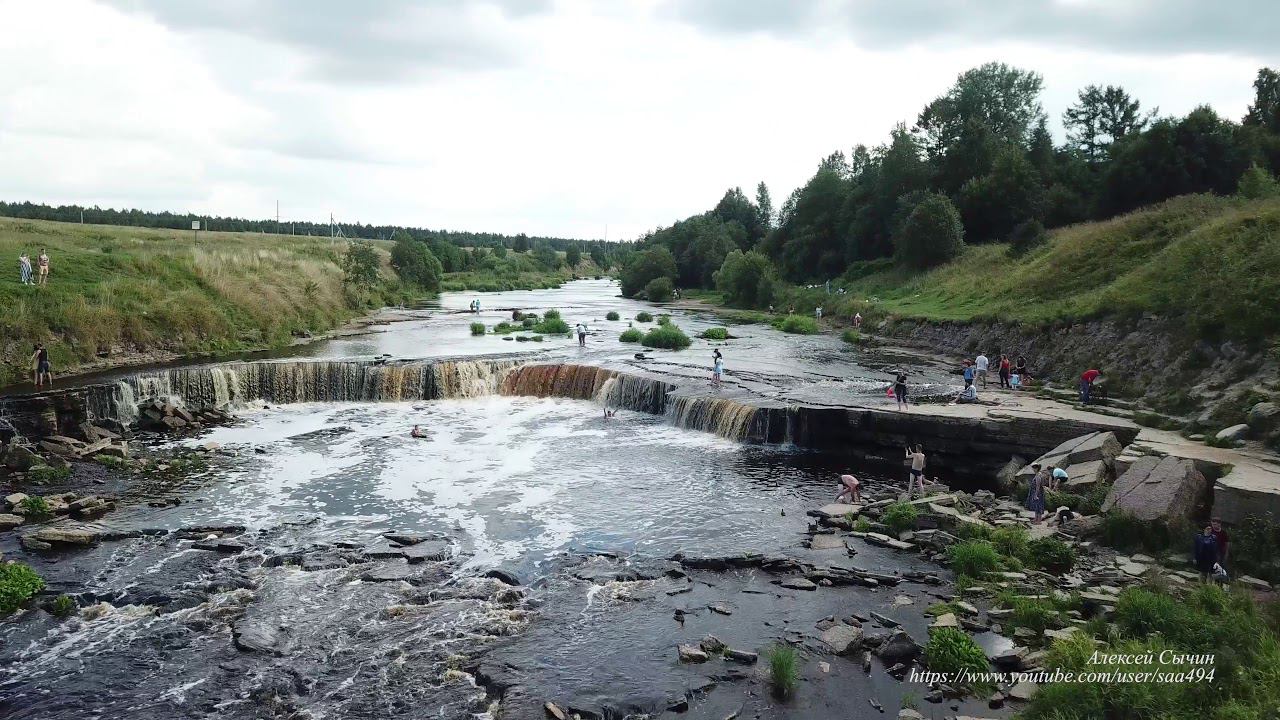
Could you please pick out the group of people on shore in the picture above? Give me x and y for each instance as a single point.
(1011, 375)
(37, 276)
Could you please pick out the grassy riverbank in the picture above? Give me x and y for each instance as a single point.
(119, 294)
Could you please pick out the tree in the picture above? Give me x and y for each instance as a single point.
(746, 279)
(764, 208)
(932, 235)
(659, 289)
(599, 257)
(992, 205)
(521, 243)
(1027, 236)
(573, 255)
(735, 207)
(1265, 110)
(500, 251)
(654, 262)
(990, 106)
(1100, 117)
(415, 264)
(546, 256)
(1257, 183)
(360, 265)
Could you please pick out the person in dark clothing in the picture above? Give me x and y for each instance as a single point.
(1206, 552)
(1223, 540)
(40, 358)
(900, 390)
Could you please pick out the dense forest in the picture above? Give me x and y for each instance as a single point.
(978, 165)
(182, 221)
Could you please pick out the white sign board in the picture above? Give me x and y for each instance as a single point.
(195, 224)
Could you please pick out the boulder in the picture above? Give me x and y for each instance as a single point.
(1263, 417)
(843, 639)
(898, 648)
(258, 636)
(1167, 489)
(945, 620)
(836, 510)
(9, 522)
(741, 656)
(433, 550)
(1083, 476)
(1095, 447)
(1233, 434)
(20, 458)
(691, 654)
(15, 499)
(67, 535)
(799, 584)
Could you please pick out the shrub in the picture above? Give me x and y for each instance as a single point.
(973, 558)
(659, 290)
(952, 651)
(664, 319)
(931, 235)
(784, 670)
(1257, 183)
(644, 267)
(612, 315)
(972, 531)
(552, 326)
(1051, 554)
(477, 328)
(415, 264)
(43, 474)
(666, 336)
(528, 321)
(504, 328)
(746, 279)
(17, 583)
(715, 333)
(900, 517)
(1010, 540)
(360, 265)
(35, 507)
(552, 314)
(1028, 235)
(797, 325)
(1031, 613)
(631, 335)
(1125, 532)
(863, 525)
(853, 337)
(62, 606)
(1255, 542)
(644, 317)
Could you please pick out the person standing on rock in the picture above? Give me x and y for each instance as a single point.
(1205, 552)
(1004, 372)
(917, 460)
(968, 374)
(1223, 540)
(980, 364)
(1087, 380)
(900, 390)
(717, 368)
(1035, 491)
(43, 262)
(849, 489)
(40, 360)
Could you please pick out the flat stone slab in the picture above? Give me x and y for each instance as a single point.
(826, 541)
(799, 584)
(837, 510)
(1167, 489)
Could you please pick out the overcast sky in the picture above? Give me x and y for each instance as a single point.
(541, 116)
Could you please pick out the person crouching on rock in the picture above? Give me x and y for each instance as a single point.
(849, 489)
(417, 432)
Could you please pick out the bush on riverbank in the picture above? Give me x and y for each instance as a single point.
(62, 606)
(900, 517)
(1051, 555)
(644, 317)
(477, 328)
(974, 558)
(612, 315)
(853, 337)
(17, 584)
(631, 335)
(715, 333)
(35, 507)
(669, 337)
(797, 325)
(552, 325)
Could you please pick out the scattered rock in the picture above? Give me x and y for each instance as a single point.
(843, 639)
(898, 648)
(721, 609)
(555, 711)
(68, 535)
(434, 550)
(9, 522)
(1233, 433)
(691, 654)
(712, 645)
(945, 620)
(1263, 417)
(1023, 691)
(741, 656)
(885, 620)
(799, 584)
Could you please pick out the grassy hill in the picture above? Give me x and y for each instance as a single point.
(1212, 261)
(119, 293)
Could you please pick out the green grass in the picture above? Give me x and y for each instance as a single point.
(952, 651)
(17, 584)
(631, 335)
(664, 319)
(797, 325)
(900, 517)
(715, 333)
(551, 325)
(112, 288)
(477, 328)
(506, 328)
(853, 337)
(1011, 540)
(47, 474)
(62, 606)
(973, 558)
(784, 670)
(862, 525)
(669, 337)
(35, 507)
(1173, 259)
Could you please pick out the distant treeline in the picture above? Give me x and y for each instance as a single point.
(978, 165)
(182, 221)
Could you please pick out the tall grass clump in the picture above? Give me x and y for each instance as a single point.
(952, 651)
(551, 325)
(477, 328)
(669, 337)
(35, 507)
(1011, 540)
(551, 314)
(631, 335)
(974, 558)
(715, 333)
(784, 670)
(612, 315)
(17, 584)
(853, 337)
(664, 319)
(797, 325)
(900, 517)
(644, 317)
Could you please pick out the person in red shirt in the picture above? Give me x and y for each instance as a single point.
(1087, 379)
(1224, 540)
(1004, 372)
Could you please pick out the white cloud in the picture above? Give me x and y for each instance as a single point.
(513, 116)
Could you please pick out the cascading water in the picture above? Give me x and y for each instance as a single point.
(727, 418)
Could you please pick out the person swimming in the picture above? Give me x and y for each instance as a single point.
(417, 432)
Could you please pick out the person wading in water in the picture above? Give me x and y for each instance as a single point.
(917, 460)
(40, 359)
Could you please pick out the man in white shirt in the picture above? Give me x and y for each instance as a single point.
(582, 335)
(982, 362)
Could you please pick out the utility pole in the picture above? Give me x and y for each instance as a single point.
(277, 218)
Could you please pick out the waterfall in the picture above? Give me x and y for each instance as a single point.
(722, 416)
(586, 382)
(471, 378)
